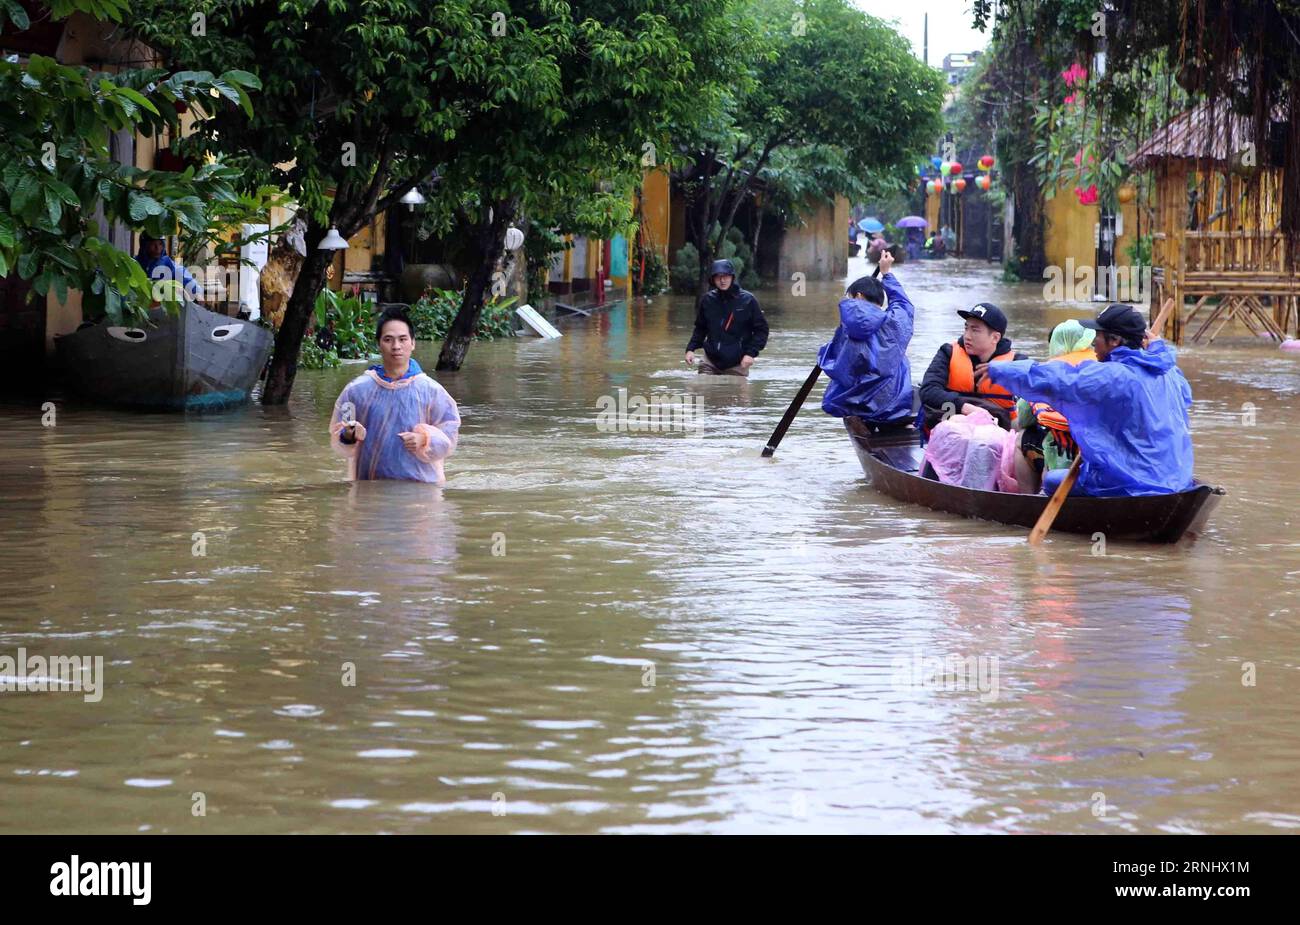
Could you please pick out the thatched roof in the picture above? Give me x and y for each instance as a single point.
(1203, 133)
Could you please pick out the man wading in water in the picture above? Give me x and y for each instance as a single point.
(393, 421)
(729, 325)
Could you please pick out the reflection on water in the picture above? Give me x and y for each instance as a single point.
(636, 632)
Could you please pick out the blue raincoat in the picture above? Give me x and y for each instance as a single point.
(1128, 415)
(867, 359)
(384, 409)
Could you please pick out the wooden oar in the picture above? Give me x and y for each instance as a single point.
(1158, 326)
(791, 412)
(1048, 517)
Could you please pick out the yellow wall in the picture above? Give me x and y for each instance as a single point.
(1071, 231)
(655, 206)
(819, 247)
(932, 211)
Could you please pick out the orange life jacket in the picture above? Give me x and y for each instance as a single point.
(1052, 419)
(961, 378)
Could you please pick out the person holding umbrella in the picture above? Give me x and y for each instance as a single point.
(915, 227)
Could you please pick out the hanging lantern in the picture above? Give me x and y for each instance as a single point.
(1126, 193)
(333, 241)
(936, 161)
(514, 238)
(945, 168)
(959, 184)
(983, 181)
(987, 162)
(954, 168)
(412, 198)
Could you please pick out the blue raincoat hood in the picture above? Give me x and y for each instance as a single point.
(866, 361)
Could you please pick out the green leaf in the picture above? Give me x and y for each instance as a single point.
(18, 16)
(64, 192)
(141, 206)
(139, 99)
(25, 195)
(53, 207)
(242, 79)
(26, 265)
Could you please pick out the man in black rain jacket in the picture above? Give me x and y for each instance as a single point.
(729, 325)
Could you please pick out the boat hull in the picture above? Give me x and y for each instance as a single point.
(891, 462)
(197, 361)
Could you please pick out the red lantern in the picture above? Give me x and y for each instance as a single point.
(983, 182)
(959, 184)
(955, 168)
(987, 162)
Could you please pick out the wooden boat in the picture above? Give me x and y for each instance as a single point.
(196, 361)
(892, 461)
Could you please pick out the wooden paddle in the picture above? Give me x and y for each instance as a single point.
(795, 405)
(1048, 517)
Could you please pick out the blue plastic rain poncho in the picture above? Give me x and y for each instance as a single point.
(1128, 415)
(867, 359)
(164, 268)
(385, 409)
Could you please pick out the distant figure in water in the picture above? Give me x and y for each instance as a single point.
(393, 421)
(729, 325)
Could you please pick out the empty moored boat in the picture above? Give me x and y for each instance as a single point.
(198, 360)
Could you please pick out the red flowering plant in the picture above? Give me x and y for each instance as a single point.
(1075, 148)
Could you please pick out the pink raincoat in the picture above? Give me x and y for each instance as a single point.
(966, 450)
(384, 410)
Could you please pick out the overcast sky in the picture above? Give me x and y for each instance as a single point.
(950, 24)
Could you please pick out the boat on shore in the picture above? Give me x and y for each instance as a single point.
(197, 360)
(892, 461)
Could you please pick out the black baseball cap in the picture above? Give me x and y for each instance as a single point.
(988, 313)
(1120, 320)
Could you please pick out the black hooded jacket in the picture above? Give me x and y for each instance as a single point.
(935, 392)
(728, 325)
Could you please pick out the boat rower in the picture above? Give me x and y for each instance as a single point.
(1128, 413)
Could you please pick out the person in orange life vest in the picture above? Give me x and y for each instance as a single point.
(956, 380)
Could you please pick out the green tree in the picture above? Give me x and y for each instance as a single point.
(361, 100)
(55, 121)
(604, 78)
(364, 99)
(819, 72)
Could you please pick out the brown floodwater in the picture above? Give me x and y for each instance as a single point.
(595, 630)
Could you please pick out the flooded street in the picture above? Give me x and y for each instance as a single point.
(593, 631)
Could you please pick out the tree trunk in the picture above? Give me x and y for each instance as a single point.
(706, 258)
(491, 244)
(288, 340)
